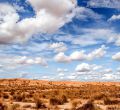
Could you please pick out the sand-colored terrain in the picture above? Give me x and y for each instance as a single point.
(24, 94)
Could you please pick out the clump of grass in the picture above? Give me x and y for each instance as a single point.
(5, 96)
(55, 101)
(99, 96)
(64, 99)
(27, 106)
(20, 97)
(75, 103)
(15, 106)
(40, 104)
(108, 101)
(89, 106)
(58, 100)
(113, 108)
(2, 106)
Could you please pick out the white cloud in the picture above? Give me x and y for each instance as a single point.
(96, 72)
(80, 55)
(45, 77)
(6, 9)
(109, 77)
(61, 57)
(13, 30)
(71, 77)
(118, 69)
(40, 60)
(21, 60)
(91, 36)
(1, 66)
(99, 33)
(58, 47)
(30, 61)
(114, 17)
(109, 70)
(97, 67)
(83, 41)
(59, 7)
(19, 8)
(61, 70)
(61, 74)
(83, 13)
(104, 3)
(116, 56)
(84, 67)
(98, 53)
(8, 19)
(118, 41)
(108, 35)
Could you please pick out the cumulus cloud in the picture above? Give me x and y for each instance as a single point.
(58, 47)
(72, 77)
(78, 55)
(81, 55)
(8, 19)
(30, 61)
(114, 17)
(87, 72)
(116, 56)
(109, 70)
(61, 74)
(13, 30)
(18, 64)
(109, 77)
(61, 57)
(97, 67)
(45, 77)
(98, 53)
(59, 7)
(84, 67)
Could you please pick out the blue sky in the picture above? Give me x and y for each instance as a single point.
(63, 40)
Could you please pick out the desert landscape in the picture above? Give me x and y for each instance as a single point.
(24, 94)
(59, 54)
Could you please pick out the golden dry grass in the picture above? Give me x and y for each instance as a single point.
(22, 94)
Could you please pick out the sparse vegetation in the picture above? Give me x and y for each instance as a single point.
(15, 106)
(87, 106)
(39, 104)
(36, 95)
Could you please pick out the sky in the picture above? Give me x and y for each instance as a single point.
(77, 40)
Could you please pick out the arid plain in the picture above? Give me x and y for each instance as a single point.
(23, 94)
